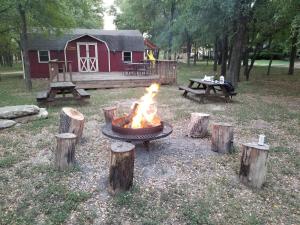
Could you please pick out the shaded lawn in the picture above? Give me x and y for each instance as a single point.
(31, 193)
(15, 67)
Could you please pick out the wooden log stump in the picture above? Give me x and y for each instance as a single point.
(71, 121)
(109, 113)
(221, 137)
(121, 167)
(198, 126)
(65, 150)
(253, 168)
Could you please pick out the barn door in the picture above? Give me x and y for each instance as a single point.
(87, 57)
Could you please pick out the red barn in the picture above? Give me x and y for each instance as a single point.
(88, 50)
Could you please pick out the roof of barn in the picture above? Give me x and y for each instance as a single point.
(117, 40)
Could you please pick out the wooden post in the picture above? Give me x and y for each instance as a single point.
(65, 150)
(121, 167)
(254, 164)
(71, 121)
(221, 137)
(109, 114)
(198, 125)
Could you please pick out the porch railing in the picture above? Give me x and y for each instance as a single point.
(166, 70)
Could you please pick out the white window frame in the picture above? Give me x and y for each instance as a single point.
(39, 56)
(130, 57)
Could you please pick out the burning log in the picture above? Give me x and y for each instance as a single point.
(65, 150)
(198, 125)
(221, 137)
(128, 119)
(71, 121)
(253, 168)
(121, 167)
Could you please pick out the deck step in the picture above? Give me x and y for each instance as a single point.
(42, 96)
(82, 93)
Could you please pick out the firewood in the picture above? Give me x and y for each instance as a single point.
(253, 168)
(65, 150)
(121, 167)
(221, 137)
(198, 126)
(71, 121)
(129, 117)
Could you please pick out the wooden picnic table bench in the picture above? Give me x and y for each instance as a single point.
(204, 89)
(63, 87)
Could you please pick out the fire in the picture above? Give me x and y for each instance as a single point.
(146, 112)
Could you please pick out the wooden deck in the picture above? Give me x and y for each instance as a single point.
(109, 80)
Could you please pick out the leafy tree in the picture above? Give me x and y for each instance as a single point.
(24, 16)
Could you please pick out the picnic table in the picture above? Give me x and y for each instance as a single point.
(204, 89)
(136, 68)
(63, 88)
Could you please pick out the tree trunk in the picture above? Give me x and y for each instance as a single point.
(188, 48)
(170, 38)
(222, 137)
(270, 63)
(71, 121)
(257, 50)
(198, 126)
(121, 167)
(65, 150)
(237, 45)
(224, 55)
(229, 57)
(215, 67)
(195, 55)
(24, 44)
(109, 114)
(253, 168)
(293, 53)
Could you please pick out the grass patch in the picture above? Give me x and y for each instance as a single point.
(8, 161)
(196, 213)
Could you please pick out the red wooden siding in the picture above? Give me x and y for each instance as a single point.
(40, 70)
(116, 62)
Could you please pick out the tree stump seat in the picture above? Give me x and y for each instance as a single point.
(253, 168)
(121, 167)
(65, 150)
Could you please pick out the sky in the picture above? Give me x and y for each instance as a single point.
(108, 20)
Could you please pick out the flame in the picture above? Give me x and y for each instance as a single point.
(146, 110)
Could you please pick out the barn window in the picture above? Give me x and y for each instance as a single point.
(44, 56)
(127, 56)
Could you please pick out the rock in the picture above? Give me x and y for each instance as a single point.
(6, 123)
(43, 114)
(11, 112)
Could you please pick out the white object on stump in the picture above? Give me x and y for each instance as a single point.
(198, 126)
(253, 168)
(121, 167)
(71, 121)
(65, 150)
(109, 113)
(221, 137)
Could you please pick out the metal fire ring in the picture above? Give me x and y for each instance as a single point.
(107, 131)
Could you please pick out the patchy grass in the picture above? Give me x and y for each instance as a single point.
(204, 189)
(15, 67)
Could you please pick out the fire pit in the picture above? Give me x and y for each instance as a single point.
(137, 131)
(141, 124)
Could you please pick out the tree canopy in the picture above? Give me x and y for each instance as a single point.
(238, 29)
